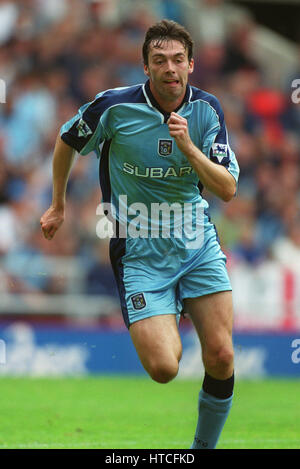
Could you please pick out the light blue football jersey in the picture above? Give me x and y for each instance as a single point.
(139, 160)
(141, 166)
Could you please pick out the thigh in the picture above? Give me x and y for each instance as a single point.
(212, 316)
(157, 342)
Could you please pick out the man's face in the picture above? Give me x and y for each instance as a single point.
(168, 69)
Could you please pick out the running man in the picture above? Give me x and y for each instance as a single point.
(163, 142)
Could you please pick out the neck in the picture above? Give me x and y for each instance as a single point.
(165, 104)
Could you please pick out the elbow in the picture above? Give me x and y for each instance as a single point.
(229, 193)
(227, 197)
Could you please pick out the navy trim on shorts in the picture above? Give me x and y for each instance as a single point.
(117, 250)
(117, 245)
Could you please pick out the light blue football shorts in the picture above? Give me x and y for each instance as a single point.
(155, 275)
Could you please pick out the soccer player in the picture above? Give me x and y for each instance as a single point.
(163, 142)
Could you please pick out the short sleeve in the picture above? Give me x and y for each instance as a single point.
(216, 143)
(86, 130)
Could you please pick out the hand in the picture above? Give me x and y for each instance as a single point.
(178, 128)
(51, 221)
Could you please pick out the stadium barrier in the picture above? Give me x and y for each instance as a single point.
(266, 296)
(33, 341)
(72, 351)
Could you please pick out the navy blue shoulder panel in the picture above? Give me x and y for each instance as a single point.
(89, 114)
(132, 94)
(212, 100)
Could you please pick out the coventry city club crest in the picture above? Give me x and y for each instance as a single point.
(138, 301)
(165, 146)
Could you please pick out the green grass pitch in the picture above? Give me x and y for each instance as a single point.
(134, 413)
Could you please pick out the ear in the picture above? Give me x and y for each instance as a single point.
(146, 70)
(191, 66)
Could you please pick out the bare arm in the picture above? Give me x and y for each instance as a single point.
(63, 158)
(214, 177)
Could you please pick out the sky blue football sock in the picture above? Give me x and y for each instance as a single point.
(213, 413)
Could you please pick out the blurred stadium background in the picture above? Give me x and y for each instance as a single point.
(59, 311)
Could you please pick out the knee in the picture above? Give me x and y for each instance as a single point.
(163, 372)
(219, 360)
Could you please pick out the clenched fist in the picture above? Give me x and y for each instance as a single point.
(178, 128)
(51, 221)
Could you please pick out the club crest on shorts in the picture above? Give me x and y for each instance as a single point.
(165, 146)
(138, 301)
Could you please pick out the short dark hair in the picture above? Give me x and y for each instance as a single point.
(167, 30)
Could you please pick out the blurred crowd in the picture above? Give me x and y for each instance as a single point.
(56, 55)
